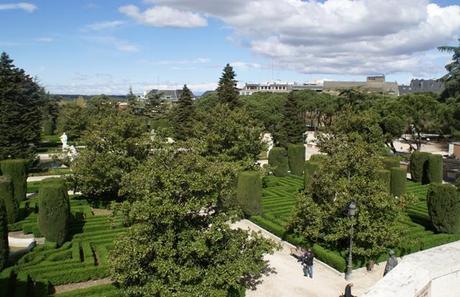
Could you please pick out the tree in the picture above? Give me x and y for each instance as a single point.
(154, 106)
(179, 242)
(50, 113)
(73, 119)
(132, 101)
(452, 78)
(115, 145)
(292, 127)
(227, 90)
(20, 113)
(183, 115)
(4, 247)
(349, 173)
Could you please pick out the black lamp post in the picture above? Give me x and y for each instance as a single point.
(352, 209)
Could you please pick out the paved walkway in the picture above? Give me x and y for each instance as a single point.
(40, 178)
(83, 285)
(288, 279)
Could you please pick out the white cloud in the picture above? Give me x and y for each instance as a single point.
(44, 39)
(119, 44)
(163, 16)
(99, 26)
(334, 36)
(29, 7)
(184, 62)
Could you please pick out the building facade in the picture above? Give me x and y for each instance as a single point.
(372, 84)
(422, 86)
(278, 87)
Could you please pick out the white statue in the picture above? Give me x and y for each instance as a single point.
(152, 134)
(64, 141)
(268, 140)
(72, 153)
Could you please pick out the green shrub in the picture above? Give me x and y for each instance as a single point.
(317, 158)
(249, 192)
(296, 157)
(418, 166)
(384, 176)
(443, 203)
(17, 171)
(4, 248)
(390, 162)
(331, 258)
(278, 161)
(7, 195)
(48, 127)
(434, 170)
(398, 181)
(54, 212)
(309, 172)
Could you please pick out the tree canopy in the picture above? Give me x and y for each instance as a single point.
(227, 90)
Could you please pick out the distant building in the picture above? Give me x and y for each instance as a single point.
(422, 86)
(166, 95)
(372, 84)
(278, 87)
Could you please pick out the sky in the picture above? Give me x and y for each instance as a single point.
(94, 47)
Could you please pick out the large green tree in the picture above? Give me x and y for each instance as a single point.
(292, 126)
(452, 78)
(227, 90)
(179, 242)
(183, 115)
(73, 119)
(20, 113)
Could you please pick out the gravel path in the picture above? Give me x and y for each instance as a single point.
(288, 279)
(82, 285)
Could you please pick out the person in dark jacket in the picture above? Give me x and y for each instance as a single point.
(391, 262)
(307, 262)
(348, 290)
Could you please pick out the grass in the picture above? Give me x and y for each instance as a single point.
(52, 171)
(279, 198)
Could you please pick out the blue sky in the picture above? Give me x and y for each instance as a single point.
(92, 47)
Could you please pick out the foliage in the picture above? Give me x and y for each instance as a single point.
(183, 115)
(229, 134)
(452, 78)
(291, 127)
(7, 195)
(17, 171)
(73, 119)
(444, 207)
(54, 212)
(267, 108)
(418, 166)
(4, 248)
(249, 192)
(180, 243)
(384, 176)
(434, 169)
(390, 162)
(50, 112)
(398, 181)
(20, 114)
(309, 173)
(332, 258)
(296, 158)
(278, 161)
(115, 145)
(227, 91)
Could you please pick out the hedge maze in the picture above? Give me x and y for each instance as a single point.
(279, 197)
(83, 257)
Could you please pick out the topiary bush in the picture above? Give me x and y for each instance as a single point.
(385, 177)
(329, 257)
(7, 195)
(418, 166)
(249, 192)
(398, 181)
(390, 162)
(4, 248)
(54, 212)
(296, 157)
(443, 201)
(434, 171)
(17, 171)
(317, 158)
(278, 161)
(309, 172)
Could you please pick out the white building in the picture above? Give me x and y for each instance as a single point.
(279, 87)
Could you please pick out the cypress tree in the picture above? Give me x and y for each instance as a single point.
(183, 126)
(132, 100)
(292, 126)
(7, 195)
(17, 171)
(4, 248)
(20, 112)
(227, 90)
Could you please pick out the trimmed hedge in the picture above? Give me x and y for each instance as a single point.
(434, 170)
(317, 158)
(54, 212)
(309, 171)
(17, 171)
(97, 291)
(4, 248)
(7, 195)
(443, 203)
(296, 158)
(398, 181)
(249, 192)
(390, 162)
(331, 258)
(418, 166)
(385, 177)
(278, 161)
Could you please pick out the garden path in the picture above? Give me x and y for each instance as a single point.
(288, 279)
(82, 285)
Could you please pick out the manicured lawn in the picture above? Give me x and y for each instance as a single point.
(279, 197)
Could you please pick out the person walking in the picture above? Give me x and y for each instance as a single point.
(307, 262)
